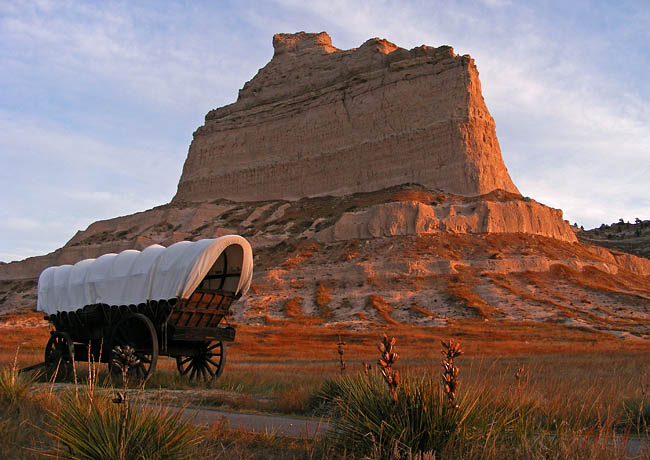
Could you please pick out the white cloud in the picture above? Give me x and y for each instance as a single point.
(94, 116)
(129, 48)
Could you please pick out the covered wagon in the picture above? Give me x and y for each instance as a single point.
(129, 308)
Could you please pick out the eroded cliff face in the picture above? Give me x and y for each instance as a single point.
(400, 255)
(372, 189)
(317, 121)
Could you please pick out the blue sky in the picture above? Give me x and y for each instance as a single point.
(98, 100)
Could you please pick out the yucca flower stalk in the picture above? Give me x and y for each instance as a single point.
(451, 350)
(341, 351)
(388, 358)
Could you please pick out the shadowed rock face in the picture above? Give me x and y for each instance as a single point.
(317, 121)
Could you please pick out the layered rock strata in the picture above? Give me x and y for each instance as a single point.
(372, 189)
(317, 120)
(395, 212)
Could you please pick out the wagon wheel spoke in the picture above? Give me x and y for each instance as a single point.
(204, 362)
(137, 336)
(186, 370)
(212, 374)
(213, 363)
(59, 355)
(212, 347)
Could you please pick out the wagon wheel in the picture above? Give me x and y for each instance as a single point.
(206, 363)
(59, 356)
(134, 349)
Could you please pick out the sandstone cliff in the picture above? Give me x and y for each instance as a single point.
(371, 187)
(317, 120)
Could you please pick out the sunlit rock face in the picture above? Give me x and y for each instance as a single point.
(317, 120)
(371, 186)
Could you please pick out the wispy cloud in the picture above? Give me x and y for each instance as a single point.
(98, 108)
(99, 100)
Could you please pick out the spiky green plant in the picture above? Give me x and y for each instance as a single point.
(96, 429)
(14, 385)
(419, 420)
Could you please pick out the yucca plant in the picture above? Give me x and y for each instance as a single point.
(93, 428)
(419, 420)
(636, 415)
(14, 385)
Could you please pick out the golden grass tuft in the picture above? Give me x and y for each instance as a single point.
(423, 311)
(322, 300)
(323, 297)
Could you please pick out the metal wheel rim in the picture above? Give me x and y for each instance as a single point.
(136, 331)
(205, 364)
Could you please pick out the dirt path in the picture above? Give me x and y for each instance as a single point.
(277, 424)
(313, 428)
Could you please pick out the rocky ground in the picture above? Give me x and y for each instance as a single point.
(404, 255)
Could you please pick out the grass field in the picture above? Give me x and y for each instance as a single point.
(579, 393)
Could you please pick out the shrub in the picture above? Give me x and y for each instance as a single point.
(88, 427)
(421, 420)
(14, 386)
(637, 414)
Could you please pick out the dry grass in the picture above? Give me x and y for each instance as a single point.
(459, 287)
(572, 394)
(383, 307)
(300, 256)
(293, 307)
(286, 341)
(323, 299)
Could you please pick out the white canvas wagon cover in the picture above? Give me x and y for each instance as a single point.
(156, 273)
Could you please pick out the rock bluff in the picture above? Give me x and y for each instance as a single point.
(317, 120)
(371, 186)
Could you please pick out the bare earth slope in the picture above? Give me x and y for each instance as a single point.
(384, 258)
(371, 186)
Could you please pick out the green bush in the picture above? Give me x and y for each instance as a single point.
(368, 420)
(93, 428)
